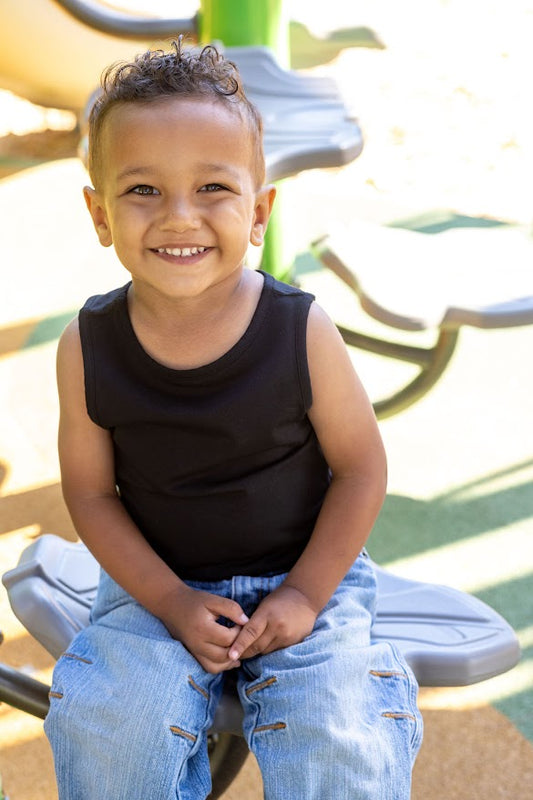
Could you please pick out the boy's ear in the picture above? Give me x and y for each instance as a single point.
(263, 208)
(99, 216)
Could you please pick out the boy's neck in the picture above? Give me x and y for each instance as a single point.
(184, 333)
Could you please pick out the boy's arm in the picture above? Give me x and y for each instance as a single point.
(88, 482)
(344, 421)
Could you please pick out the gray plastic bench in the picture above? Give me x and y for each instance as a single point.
(449, 638)
(307, 124)
(418, 282)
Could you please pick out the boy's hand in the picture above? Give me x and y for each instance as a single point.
(283, 618)
(192, 619)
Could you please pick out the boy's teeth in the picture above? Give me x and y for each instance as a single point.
(181, 251)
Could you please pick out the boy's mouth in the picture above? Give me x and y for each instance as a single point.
(181, 252)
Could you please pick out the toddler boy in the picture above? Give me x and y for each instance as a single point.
(222, 462)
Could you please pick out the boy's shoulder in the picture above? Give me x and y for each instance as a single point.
(285, 289)
(102, 303)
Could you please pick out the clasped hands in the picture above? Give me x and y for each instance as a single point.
(283, 618)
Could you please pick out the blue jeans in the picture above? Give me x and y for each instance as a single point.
(332, 717)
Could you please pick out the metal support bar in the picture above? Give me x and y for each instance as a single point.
(421, 356)
(23, 692)
(432, 361)
(126, 26)
(248, 23)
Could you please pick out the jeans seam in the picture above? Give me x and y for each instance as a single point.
(262, 685)
(387, 674)
(198, 688)
(273, 726)
(183, 733)
(77, 658)
(398, 715)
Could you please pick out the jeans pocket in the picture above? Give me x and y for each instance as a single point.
(397, 691)
(72, 670)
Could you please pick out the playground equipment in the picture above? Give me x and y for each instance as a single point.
(307, 126)
(467, 280)
(448, 637)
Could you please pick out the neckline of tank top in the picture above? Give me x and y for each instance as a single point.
(220, 364)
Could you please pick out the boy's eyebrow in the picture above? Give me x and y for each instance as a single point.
(214, 167)
(133, 172)
(209, 168)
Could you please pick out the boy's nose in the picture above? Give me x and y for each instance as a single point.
(180, 214)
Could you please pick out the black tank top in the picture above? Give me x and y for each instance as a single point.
(219, 466)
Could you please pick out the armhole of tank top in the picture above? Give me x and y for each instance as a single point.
(89, 375)
(304, 377)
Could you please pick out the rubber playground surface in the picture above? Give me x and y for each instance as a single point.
(446, 147)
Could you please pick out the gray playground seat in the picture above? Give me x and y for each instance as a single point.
(307, 124)
(449, 638)
(413, 281)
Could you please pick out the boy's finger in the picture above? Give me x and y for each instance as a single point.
(219, 656)
(229, 609)
(216, 667)
(249, 634)
(222, 635)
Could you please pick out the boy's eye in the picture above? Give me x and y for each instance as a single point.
(212, 187)
(144, 190)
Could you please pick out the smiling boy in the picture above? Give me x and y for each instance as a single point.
(221, 460)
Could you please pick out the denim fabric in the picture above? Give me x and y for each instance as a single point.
(332, 717)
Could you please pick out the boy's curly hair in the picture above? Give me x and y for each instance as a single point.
(185, 72)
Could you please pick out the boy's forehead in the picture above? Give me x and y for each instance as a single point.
(206, 112)
(217, 124)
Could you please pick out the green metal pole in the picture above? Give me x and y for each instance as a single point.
(246, 22)
(254, 22)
